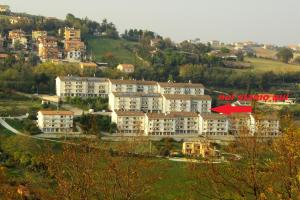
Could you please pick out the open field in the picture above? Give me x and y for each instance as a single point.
(119, 48)
(264, 65)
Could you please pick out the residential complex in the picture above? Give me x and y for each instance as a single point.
(55, 121)
(71, 86)
(151, 108)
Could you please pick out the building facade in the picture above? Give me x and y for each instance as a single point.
(132, 101)
(186, 103)
(18, 37)
(122, 101)
(48, 48)
(241, 123)
(212, 124)
(129, 123)
(38, 34)
(55, 121)
(181, 88)
(72, 34)
(133, 86)
(267, 126)
(71, 86)
(159, 124)
(74, 48)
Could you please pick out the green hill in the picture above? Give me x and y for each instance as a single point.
(122, 50)
(265, 65)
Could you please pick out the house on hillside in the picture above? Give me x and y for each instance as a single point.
(18, 37)
(126, 68)
(38, 34)
(48, 48)
(74, 47)
(154, 42)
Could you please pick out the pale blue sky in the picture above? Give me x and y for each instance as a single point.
(266, 21)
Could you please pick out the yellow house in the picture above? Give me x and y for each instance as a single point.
(197, 148)
(126, 68)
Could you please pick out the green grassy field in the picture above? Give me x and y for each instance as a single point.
(119, 48)
(264, 65)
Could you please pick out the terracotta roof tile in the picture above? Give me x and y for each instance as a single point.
(56, 112)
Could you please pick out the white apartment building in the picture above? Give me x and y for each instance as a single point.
(181, 88)
(135, 101)
(127, 101)
(156, 124)
(71, 86)
(55, 121)
(187, 123)
(212, 124)
(241, 123)
(152, 102)
(186, 103)
(129, 123)
(159, 124)
(132, 86)
(267, 126)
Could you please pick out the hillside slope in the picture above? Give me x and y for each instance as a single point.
(265, 65)
(122, 50)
